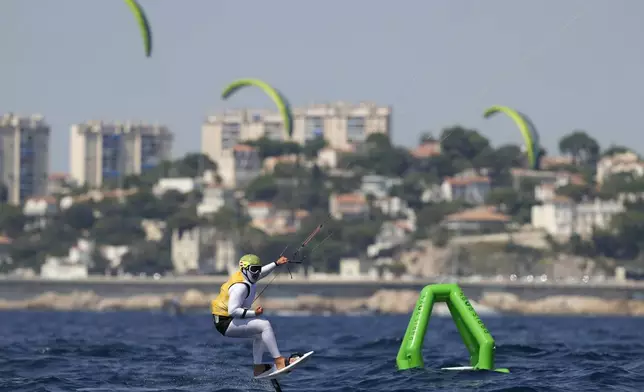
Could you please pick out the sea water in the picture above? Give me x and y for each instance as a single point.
(143, 351)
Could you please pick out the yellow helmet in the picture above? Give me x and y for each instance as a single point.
(247, 260)
(251, 267)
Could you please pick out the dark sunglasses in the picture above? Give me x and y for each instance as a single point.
(255, 268)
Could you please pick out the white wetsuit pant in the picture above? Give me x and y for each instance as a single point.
(262, 333)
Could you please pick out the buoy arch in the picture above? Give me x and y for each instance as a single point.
(476, 337)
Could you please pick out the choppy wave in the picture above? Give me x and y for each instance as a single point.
(140, 352)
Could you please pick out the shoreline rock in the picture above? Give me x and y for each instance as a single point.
(383, 301)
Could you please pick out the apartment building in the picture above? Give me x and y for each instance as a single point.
(24, 156)
(238, 166)
(340, 123)
(562, 217)
(102, 151)
(626, 162)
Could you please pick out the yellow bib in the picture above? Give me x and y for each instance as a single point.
(219, 305)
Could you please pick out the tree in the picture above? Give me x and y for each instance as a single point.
(583, 148)
(378, 142)
(117, 230)
(398, 269)
(575, 192)
(503, 160)
(267, 147)
(613, 149)
(252, 240)
(99, 264)
(412, 188)
(57, 238)
(12, 220)
(426, 137)
(147, 257)
(440, 237)
(516, 204)
(229, 223)
(27, 252)
(184, 219)
(312, 147)
(79, 216)
(359, 235)
(262, 188)
(462, 144)
(614, 246)
(623, 183)
(432, 215)
(344, 184)
(193, 165)
(378, 156)
(440, 166)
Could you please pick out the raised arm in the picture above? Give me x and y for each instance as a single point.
(237, 294)
(268, 268)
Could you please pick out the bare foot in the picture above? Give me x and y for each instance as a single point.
(280, 363)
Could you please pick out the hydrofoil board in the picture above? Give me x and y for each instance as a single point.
(459, 368)
(274, 374)
(500, 370)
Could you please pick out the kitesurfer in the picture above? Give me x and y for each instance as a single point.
(233, 317)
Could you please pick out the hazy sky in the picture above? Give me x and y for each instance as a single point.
(568, 64)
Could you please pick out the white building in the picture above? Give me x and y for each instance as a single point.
(239, 166)
(627, 162)
(200, 250)
(24, 156)
(545, 192)
(394, 207)
(215, 198)
(392, 234)
(102, 151)
(543, 177)
(74, 266)
(328, 158)
(60, 184)
(378, 186)
(61, 268)
(39, 210)
(561, 217)
(348, 206)
(182, 185)
(361, 269)
(473, 190)
(340, 123)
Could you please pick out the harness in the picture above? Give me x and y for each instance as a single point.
(222, 322)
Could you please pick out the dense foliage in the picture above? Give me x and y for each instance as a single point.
(304, 185)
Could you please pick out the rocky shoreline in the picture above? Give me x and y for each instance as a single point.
(383, 301)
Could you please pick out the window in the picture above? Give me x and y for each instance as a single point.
(356, 129)
(149, 152)
(274, 131)
(230, 133)
(314, 127)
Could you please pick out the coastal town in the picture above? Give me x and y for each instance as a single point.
(296, 196)
(453, 205)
